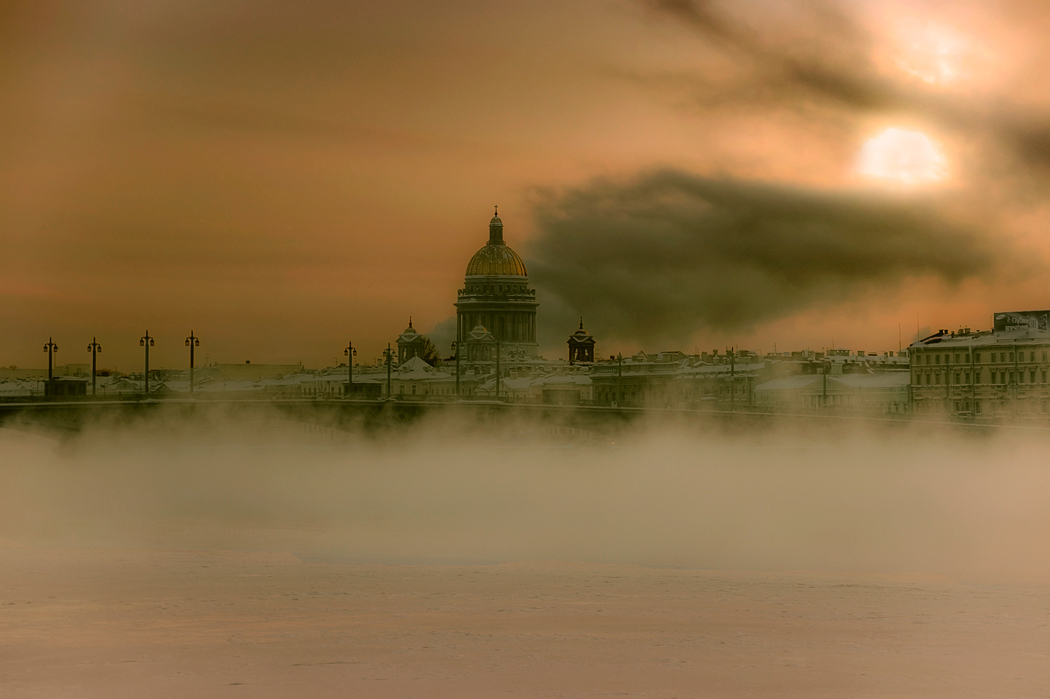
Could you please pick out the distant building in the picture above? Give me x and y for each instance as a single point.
(410, 344)
(65, 387)
(988, 374)
(481, 345)
(417, 380)
(496, 297)
(640, 381)
(252, 372)
(885, 393)
(563, 390)
(581, 346)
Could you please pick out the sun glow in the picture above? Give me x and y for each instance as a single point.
(936, 55)
(907, 157)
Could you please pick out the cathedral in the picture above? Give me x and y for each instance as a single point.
(496, 304)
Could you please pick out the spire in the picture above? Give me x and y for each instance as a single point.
(496, 229)
(581, 322)
(410, 321)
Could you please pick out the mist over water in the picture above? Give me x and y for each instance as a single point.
(904, 501)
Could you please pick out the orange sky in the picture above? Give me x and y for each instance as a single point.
(281, 177)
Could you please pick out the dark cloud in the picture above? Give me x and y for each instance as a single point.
(669, 253)
(833, 65)
(830, 65)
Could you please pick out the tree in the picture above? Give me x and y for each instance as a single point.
(429, 352)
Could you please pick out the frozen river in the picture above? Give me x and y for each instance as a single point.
(230, 560)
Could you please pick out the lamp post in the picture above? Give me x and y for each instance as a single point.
(497, 369)
(147, 342)
(192, 341)
(94, 348)
(824, 386)
(350, 351)
(388, 354)
(455, 349)
(619, 379)
(50, 348)
(732, 379)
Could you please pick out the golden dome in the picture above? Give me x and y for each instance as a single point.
(496, 260)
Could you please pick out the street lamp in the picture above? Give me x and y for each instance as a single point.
(497, 369)
(732, 379)
(50, 348)
(619, 380)
(191, 342)
(147, 342)
(455, 349)
(94, 348)
(350, 351)
(388, 355)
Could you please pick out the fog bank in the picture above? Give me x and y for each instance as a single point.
(949, 504)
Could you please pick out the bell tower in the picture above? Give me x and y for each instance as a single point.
(581, 346)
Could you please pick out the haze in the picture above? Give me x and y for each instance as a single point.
(281, 177)
(698, 500)
(826, 498)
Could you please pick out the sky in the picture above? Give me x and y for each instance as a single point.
(282, 178)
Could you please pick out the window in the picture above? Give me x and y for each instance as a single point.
(1044, 356)
(1044, 375)
(977, 407)
(967, 377)
(1011, 356)
(957, 378)
(1011, 377)
(1031, 376)
(927, 359)
(1031, 356)
(938, 359)
(977, 357)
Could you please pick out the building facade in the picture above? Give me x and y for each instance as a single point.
(1001, 373)
(496, 297)
(885, 393)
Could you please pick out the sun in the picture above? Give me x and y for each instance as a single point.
(905, 157)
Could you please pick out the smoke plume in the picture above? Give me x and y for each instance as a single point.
(669, 253)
